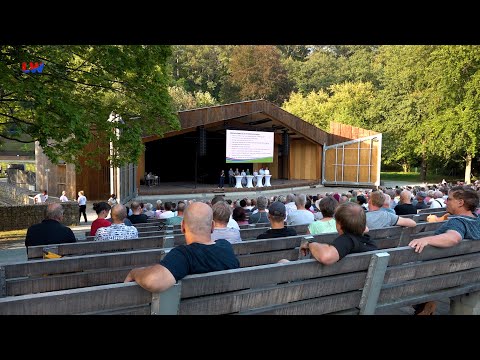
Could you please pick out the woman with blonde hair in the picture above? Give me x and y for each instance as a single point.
(82, 203)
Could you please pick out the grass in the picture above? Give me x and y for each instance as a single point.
(415, 177)
(13, 235)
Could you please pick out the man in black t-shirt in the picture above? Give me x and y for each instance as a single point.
(351, 224)
(200, 255)
(50, 230)
(277, 214)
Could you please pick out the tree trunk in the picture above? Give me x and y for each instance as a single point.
(468, 168)
(406, 167)
(423, 168)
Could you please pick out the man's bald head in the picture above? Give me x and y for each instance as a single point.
(198, 219)
(118, 213)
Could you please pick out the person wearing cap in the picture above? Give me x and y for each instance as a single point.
(421, 195)
(277, 214)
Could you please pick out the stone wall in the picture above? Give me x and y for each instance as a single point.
(15, 195)
(22, 216)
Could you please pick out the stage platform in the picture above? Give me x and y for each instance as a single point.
(188, 190)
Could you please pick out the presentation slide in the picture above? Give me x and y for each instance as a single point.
(249, 146)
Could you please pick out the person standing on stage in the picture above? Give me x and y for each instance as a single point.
(231, 177)
(222, 179)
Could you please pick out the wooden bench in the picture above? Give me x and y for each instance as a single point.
(157, 240)
(89, 270)
(358, 284)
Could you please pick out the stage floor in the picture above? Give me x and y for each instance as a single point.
(173, 188)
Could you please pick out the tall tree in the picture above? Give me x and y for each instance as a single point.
(258, 73)
(79, 88)
(201, 67)
(454, 76)
(295, 52)
(404, 104)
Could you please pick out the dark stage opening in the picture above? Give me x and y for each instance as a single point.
(173, 159)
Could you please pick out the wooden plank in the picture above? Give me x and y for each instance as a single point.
(250, 277)
(318, 306)
(98, 247)
(25, 286)
(273, 295)
(82, 263)
(76, 301)
(373, 283)
(429, 268)
(168, 302)
(402, 255)
(432, 296)
(397, 291)
(129, 310)
(267, 257)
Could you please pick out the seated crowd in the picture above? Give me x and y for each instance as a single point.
(210, 227)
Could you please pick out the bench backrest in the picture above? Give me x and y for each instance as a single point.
(97, 269)
(358, 284)
(155, 241)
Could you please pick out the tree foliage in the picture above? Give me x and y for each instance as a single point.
(257, 72)
(201, 67)
(183, 100)
(68, 105)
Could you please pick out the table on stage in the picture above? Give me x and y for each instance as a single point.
(267, 180)
(249, 181)
(238, 179)
(259, 180)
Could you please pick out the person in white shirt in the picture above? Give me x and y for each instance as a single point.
(64, 198)
(261, 171)
(41, 197)
(118, 230)
(267, 172)
(82, 203)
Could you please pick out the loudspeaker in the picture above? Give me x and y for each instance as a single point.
(286, 143)
(202, 141)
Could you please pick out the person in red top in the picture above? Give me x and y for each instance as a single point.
(102, 209)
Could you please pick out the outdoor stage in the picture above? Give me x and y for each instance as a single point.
(174, 188)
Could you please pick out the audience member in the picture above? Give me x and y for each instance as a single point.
(378, 219)
(465, 224)
(118, 230)
(51, 230)
(351, 225)
(277, 214)
(261, 215)
(102, 209)
(240, 216)
(137, 216)
(177, 220)
(405, 206)
(301, 216)
(168, 213)
(231, 223)
(200, 255)
(327, 224)
(221, 215)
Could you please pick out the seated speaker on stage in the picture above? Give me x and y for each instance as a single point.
(267, 172)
